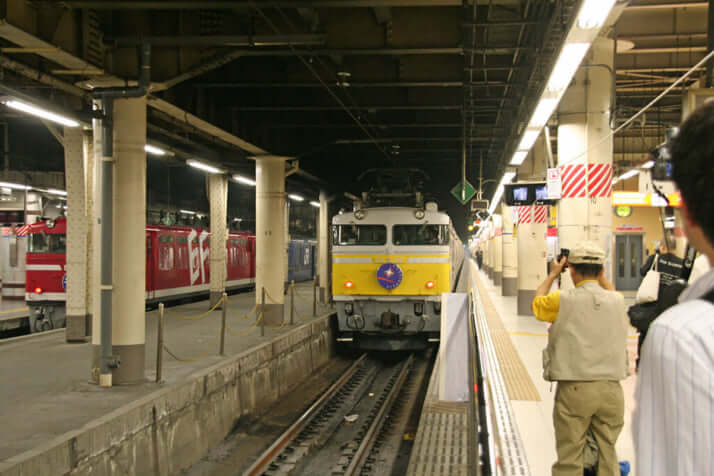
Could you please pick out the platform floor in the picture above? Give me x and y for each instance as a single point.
(46, 390)
(528, 337)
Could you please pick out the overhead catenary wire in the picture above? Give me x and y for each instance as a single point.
(314, 72)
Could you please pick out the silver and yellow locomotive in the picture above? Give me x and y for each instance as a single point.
(390, 266)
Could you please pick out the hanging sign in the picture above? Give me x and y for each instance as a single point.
(554, 184)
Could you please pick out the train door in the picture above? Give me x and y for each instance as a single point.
(628, 260)
(313, 261)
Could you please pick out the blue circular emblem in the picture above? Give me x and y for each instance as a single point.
(64, 282)
(389, 276)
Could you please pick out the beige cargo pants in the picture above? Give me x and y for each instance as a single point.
(582, 405)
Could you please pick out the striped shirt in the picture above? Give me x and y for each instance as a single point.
(674, 421)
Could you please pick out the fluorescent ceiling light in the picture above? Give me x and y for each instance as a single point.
(648, 165)
(154, 150)
(629, 174)
(54, 191)
(297, 198)
(205, 167)
(519, 157)
(529, 138)
(187, 212)
(315, 204)
(41, 113)
(542, 113)
(568, 63)
(507, 177)
(14, 186)
(237, 219)
(244, 180)
(594, 13)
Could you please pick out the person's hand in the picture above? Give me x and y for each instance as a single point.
(556, 267)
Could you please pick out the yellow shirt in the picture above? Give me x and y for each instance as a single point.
(546, 307)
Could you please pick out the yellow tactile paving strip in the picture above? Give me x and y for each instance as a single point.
(518, 383)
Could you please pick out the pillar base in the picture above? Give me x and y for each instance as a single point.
(509, 287)
(525, 298)
(273, 314)
(79, 328)
(323, 295)
(131, 364)
(214, 298)
(497, 277)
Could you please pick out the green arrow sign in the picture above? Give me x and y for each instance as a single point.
(468, 191)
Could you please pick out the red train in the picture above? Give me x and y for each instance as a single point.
(177, 266)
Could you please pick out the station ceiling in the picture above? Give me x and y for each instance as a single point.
(347, 85)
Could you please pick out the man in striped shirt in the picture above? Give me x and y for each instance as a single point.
(674, 421)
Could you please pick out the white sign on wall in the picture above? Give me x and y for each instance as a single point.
(554, 184)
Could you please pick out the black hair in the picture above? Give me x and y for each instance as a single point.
(587, 270)
(693, 166)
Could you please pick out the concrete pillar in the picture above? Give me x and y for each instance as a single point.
(129, 243)
(323, 249)
(509, 255)
(75, 278)
(286, 248)
(270, 236)
(531, 245)
(585, 156)
(218, 205)
(497, 241)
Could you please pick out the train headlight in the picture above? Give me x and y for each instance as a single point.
(38, 290)
(430, 285)
(349, 284)
(359, 214)
(349, 309)
(419, 214)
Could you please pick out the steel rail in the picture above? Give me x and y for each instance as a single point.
(283, 440)
(371, 435)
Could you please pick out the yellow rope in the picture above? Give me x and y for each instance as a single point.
(270, 297)
(251, 329)
(194, 318)
(255, 307)
(201, 356)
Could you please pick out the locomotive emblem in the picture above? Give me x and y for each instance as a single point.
(389, 276)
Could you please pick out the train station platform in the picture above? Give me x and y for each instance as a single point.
(519, 401)
(55, 420)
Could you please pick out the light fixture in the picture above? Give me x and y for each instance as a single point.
(568, 63)
(14, 186)
(628, 174)
(150, 149)
(41, 113)
(507, 177)
(205, 167)
(55, 191)
(648, 165)
(244, 180)
(529, 138)
(543, 111)
(187, 212)
(238, 219)
(297, 198)
(593, 13)
(315, 204)
(518, 157)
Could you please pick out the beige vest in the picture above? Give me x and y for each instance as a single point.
(588, 340)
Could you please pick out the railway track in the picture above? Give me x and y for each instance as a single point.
(355, 427)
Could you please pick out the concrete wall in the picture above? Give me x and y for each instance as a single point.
(171, 429)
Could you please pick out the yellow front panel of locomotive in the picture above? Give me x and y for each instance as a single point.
(417, 271)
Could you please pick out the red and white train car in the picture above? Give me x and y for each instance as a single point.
(177, 266)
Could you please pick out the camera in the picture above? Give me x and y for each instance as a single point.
(663, 166)
(564, 252)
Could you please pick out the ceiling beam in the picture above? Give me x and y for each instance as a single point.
(660, 6)
(410, 125)
(220, 40)
(234, 4)
(410, 107)
(381, 84)
(350, 51)
(673, 49)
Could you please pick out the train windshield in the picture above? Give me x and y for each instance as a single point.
(409, 235)
(44, 243)
(352, 235)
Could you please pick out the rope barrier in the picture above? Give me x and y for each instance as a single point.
(251, 329)
(195, 318)
(238, 316)
(201, 355)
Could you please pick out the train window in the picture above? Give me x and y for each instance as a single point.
(181, 240)
(45, 243)
(409, 235)
(166, 239)
(351, 235)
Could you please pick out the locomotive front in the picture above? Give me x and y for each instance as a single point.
(389, 268)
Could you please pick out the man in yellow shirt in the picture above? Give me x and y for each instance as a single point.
(587, 356)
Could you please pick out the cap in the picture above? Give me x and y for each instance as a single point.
(586, 252)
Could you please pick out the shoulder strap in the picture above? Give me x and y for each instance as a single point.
(656, 260)
(709, 296)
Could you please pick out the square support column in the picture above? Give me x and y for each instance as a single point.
(323, 247)
(509, 285)
(218, 204)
